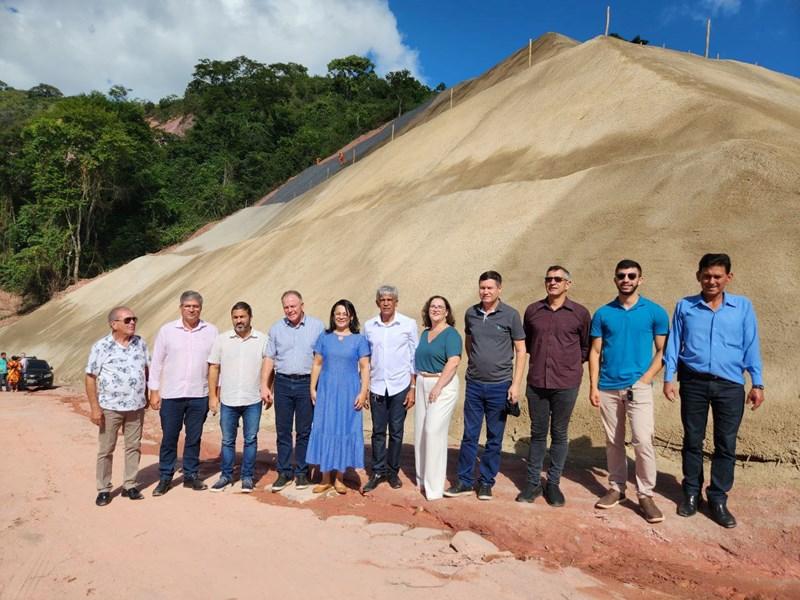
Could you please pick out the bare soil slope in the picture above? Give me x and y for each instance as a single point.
(598, 151)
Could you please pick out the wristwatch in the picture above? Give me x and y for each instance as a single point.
(758, 387)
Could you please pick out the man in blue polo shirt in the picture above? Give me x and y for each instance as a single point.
(714, 341)
(622, 365)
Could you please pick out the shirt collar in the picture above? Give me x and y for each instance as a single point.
(398, 318)
(200, 325)
(288, 323)
(253, 334)
(568, 304)
(639, 304)
(727, 299)
(479, 308)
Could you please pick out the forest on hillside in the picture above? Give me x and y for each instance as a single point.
(87, 184)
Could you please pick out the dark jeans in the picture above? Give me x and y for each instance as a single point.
(175, 413)
(550, 410)
(726, 399)
(293, 406)
(229, 424)
(482, 400)
(387, 412)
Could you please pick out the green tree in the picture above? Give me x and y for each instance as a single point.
(44, 90)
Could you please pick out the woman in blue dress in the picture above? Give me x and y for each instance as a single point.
(339, 388)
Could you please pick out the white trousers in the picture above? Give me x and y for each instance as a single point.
(431, 426)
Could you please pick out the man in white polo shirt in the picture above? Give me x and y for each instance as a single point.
(234, 377)
(393, 340)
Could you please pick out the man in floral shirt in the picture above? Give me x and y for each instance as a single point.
(116, 377)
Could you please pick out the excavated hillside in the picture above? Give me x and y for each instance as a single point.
(596, 152)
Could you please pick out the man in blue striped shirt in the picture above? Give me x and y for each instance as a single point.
(714, 339)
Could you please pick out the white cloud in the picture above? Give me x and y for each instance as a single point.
(153, 45)
(724, 7)
(700, 10)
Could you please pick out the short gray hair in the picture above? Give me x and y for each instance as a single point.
(291, 293)
(191, 295)
(559, 268)
(112, 315)
(387, 290)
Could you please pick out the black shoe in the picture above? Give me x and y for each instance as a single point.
(553, 495)
(689, 504)
(301, 482)
(195, 483)
(530, 493)
(720, 515)
(132, 493)
(281, 482)
(374, 482)
(459, 489)
(163, 487)
(484, 491)
(395, 482)
(102, 499)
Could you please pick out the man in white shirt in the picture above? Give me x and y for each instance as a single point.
(393, 340)
(236, 356)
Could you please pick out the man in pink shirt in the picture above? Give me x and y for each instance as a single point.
(179, 390)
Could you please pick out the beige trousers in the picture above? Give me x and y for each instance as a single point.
(431, 426)
(615, 408)
(131, 422)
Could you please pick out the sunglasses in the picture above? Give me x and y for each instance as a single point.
(623, 276)
(556, 279)
(128, 320)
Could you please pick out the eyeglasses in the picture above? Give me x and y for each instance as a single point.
(556, 279)
(622, 276)
(128, 320)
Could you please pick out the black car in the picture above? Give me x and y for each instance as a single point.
(38, 374)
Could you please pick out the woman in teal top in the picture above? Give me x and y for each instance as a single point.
(436, 360)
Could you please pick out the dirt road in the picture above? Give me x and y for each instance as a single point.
(391, 544)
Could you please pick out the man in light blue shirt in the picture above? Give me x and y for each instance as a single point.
(714, 340)
(287, 367)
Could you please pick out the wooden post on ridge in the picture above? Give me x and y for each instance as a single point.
(708, 35)
(354, 155)
(530, 51)
(608, 20)
(451, 97)
(392, 130)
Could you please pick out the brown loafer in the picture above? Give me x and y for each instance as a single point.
(340, 487)
(320, 488)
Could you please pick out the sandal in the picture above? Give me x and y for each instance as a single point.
(320, 488)
(340, 487)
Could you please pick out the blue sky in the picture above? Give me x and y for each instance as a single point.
(460, 39)
(152, 46)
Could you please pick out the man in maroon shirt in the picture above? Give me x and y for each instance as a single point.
(557, 340)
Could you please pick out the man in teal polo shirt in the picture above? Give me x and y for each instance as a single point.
(622, 365)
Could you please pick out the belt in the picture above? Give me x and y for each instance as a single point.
(287, 376)
(423, 374)
(687, 374)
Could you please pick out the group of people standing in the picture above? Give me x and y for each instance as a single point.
(321, 379)
(11, 370)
